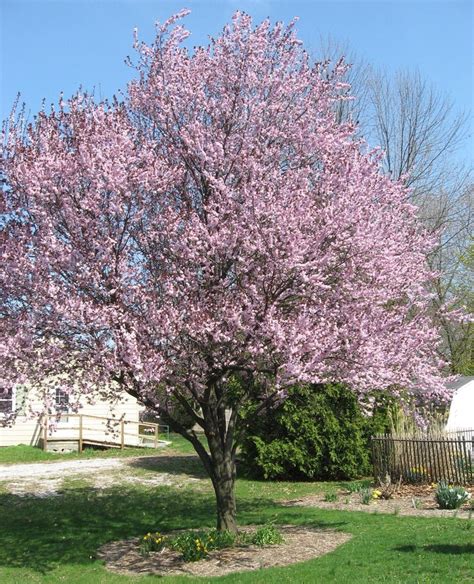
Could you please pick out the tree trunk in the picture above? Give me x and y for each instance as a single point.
(224, 482)
(219, 434)
(219, 462)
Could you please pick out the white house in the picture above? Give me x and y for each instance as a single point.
(461, 412)
(104, 422)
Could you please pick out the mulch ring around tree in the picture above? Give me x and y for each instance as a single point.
(300, 544)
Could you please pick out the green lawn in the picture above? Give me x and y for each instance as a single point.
(53, 540)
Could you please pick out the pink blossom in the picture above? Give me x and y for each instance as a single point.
(219, 221)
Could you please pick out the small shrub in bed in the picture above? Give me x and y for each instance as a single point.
(366, 495)
(152, 542)
(192, 546)
(330, 497)
(196, 545)
(218, 540)
(450, 497)
(267, 535)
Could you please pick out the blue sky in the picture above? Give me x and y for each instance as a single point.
(48, 46)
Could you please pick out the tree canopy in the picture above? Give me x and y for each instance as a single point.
(218, 232)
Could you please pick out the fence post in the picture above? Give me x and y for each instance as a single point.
(122, 434)
(374, 455)
(45, 433)
(454, 454)
(466, 462)
(80, 433)
(156, 435)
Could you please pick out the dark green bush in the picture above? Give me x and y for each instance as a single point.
(318, 432)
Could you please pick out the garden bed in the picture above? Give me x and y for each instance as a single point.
(415, 500)
(300, 544)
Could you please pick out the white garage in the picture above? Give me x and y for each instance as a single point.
(461, 412)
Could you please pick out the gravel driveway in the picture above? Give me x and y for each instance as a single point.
(58, 469)
(47, 479)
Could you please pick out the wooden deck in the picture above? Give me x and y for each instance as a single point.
(87, 429)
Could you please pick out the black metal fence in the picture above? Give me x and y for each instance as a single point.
(425, 458)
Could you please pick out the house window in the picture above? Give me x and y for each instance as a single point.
(62, 400)
(7, 400)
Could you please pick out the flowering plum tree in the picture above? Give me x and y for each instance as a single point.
(215, 234)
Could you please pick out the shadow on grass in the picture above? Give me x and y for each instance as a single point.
(40, 533)
(185, 464)
(467, 548)
(450, 549)
(409, 548)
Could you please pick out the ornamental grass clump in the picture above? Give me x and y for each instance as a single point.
(450, 497)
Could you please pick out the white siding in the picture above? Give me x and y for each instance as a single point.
(27, 429)
(461, 412)
(24, 431)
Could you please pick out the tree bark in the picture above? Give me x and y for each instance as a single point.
(219, 463)
(224, 483)
(223, 472)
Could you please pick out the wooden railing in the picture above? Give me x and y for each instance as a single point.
(115, 432)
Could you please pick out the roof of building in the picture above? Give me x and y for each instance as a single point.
(460, 381)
